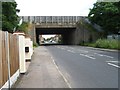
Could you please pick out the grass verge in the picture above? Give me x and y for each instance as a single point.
(104, 43)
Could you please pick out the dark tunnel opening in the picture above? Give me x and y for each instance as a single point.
(66, 33)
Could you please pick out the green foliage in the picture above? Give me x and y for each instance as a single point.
(23, 27)
(106, 14)
(104, 43)
(86, 25)
(9, 16)
(35, 45)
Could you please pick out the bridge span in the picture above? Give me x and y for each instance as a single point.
(61, 25)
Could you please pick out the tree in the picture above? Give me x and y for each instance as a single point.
(23, 27)
(9, 16)
(107, 15)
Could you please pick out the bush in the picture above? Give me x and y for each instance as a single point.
(35, 45)
(24, 27)
(104, 43)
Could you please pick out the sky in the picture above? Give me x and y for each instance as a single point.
(54, 8)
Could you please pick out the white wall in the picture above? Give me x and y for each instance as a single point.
(22, 63)
(28, 43)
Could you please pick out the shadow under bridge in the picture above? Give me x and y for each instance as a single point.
(67, 33)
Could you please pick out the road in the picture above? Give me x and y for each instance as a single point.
(86, 67)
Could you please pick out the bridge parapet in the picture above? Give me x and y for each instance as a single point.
(58, 20)
(55, 25)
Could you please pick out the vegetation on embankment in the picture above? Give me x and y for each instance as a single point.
(24, 27)
(104, 43)
(35, 45)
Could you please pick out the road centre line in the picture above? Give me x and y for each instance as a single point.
(87, 56)
(103, 55)
(70, 51)
(83, 51)
(63, 48)
(113, 65)
(71, 47)
(113, 61)
(58, 47)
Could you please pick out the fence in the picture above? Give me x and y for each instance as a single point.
(9, 56)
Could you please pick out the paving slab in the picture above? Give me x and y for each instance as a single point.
(42, 72)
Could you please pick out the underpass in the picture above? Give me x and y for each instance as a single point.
(66, 33)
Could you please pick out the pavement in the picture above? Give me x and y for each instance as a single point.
(42, 72)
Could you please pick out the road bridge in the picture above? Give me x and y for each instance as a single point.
(62, 25)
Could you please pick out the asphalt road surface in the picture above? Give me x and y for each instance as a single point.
(86, 67)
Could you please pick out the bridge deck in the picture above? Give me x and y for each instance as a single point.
(55, 25)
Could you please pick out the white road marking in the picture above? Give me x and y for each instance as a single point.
(70, 51)
(112, 61)
(87, 56)
(108, 56)
(114, 65)
(63, 48)
(98, 54)
(71, 47)
(104, 55)
(58, 47)
(61, 73)
(83, 51)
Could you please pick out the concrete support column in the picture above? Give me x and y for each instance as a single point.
(46, 19)
(63, 19)
(57, 19)
(76, 19)
(34, 19)
(52, 18)
(39, 19)
(68, 19)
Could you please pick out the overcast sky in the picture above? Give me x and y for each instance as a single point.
(54, 7)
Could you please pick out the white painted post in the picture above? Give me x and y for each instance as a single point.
(22, 63)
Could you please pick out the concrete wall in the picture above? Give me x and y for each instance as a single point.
(82, 34)
(32, 33)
